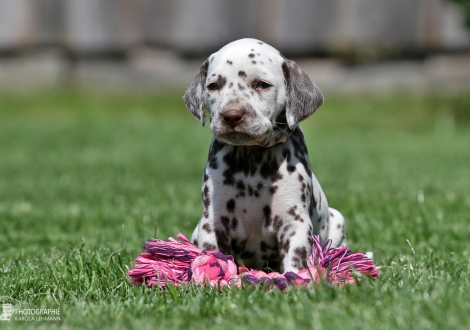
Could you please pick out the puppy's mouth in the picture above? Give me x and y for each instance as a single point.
(266, 139)
(237, 138)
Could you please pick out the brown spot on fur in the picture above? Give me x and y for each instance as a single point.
(240, 185)
(225, 221)
(240, 159)
(273, 189)
(216, 146)
(291, 168)
(284, 247)
(269, 169)
(301, 252)
(222, 237)
(221, 81)
(292, 211)
(277, 222)
(207, 228)
(310, 240)
(278, 177)
(237, 247)
(205, 197)
(207, 246)
(234, 223)
(267, 211)
(300, 150)
(231, 205)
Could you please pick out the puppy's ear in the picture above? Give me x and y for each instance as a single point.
(303, 97)
(194, 97)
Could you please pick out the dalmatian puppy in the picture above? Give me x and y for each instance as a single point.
(261, 201)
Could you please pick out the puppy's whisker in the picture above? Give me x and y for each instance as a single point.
(279, 129)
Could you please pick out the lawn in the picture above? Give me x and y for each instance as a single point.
(86, 177)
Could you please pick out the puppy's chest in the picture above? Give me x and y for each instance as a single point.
(245, 200)
(243, 212)
(244, 193)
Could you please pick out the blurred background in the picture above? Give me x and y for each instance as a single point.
(344, 45)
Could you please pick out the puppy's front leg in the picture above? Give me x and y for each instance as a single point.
(295, 243)
(211, 233)
(211, 236)
(205, 235)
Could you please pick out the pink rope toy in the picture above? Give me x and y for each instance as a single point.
(180, 262)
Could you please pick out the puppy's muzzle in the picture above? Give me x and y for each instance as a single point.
(233, 116)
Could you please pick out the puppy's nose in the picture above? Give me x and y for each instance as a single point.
(233, 116)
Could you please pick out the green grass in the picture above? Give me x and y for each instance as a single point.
(85, 178)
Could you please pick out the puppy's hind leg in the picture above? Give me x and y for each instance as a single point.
(336, 228)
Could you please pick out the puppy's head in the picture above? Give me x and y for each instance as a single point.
(254, 95)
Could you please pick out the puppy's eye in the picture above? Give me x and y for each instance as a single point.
(213, 86)
(262, 85)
